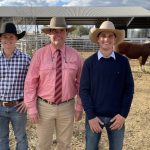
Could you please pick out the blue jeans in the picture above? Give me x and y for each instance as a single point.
(18, 121)
(115, 137)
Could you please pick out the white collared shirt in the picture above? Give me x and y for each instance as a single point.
(100, 55)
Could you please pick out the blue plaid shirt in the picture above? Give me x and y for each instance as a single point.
(12, 75)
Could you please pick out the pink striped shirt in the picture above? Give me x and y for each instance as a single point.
(40, 79)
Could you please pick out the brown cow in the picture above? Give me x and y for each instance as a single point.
(135, 51)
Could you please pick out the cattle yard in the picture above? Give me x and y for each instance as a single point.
(137, 135)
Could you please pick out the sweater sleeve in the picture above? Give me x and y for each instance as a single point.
(128, 91)
(85, 91)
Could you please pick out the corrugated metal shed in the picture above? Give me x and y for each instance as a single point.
(122, 17)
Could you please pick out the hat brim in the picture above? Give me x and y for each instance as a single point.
(93, 34)
(47, 29)
(19, 36)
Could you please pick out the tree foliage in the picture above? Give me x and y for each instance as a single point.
(80, 30)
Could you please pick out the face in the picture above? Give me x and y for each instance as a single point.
(8, 41)
(106, 40)
(58, 37)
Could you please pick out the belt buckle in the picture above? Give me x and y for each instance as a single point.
(67, 100)
(3, 104)
(52, 103)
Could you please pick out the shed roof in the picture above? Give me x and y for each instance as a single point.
(122, 17)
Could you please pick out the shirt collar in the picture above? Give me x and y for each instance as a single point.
(15, 53)
(100, 55)
(53, 50)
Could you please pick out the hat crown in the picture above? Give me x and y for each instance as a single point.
(107, 25)
(8, 28)
(58, 22)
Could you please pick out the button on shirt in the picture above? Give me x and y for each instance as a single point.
(40, 80)
(12, 75)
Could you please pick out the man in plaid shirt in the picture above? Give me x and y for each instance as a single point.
(13, 68)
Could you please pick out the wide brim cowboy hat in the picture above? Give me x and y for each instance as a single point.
(106, 26)
(9, 27)
(57, 23)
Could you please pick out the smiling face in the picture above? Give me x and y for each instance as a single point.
(106, 41)
(8, 41)
(58, 37)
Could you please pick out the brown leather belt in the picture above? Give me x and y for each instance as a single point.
(10, 103)
(53, 103)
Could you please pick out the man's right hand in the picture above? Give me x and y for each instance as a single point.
(34, 118)
(95, 125)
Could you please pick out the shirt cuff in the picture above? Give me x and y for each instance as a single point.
(32, 110)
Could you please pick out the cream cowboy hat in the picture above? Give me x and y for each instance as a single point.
(57, 23)
(106, 26)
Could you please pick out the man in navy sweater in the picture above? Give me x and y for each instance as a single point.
(106, 88)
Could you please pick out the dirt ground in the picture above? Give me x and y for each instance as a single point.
(137, 136)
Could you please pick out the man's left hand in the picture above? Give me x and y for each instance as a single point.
(21, 107)
(118, 122)
(78, 115)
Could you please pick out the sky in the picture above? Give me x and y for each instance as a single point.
(102, 3)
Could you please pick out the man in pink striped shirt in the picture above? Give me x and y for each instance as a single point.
(40, 88)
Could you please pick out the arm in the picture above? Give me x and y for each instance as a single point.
(85, 91)
(78, 103)
(128, 91)
(31, 84)
(21, 106)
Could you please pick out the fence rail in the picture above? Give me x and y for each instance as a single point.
(31, 43)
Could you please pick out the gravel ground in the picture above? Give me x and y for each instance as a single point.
(137, 135)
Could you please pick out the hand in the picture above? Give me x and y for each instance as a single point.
(95, 125)
(34, 118)
(21, 107)
(118, 122)
(78, 115)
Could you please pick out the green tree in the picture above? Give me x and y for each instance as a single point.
(80, 30)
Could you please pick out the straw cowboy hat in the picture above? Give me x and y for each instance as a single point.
(9, 27)
(57, 23)
(106, 26)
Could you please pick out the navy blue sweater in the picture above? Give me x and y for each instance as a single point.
(106, 86)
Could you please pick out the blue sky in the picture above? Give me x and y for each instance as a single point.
(142, 3)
